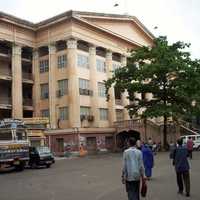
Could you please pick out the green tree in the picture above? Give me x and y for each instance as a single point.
(168, 73)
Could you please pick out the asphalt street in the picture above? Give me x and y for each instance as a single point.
(93, 178)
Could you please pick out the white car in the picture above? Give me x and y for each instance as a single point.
(195, 138)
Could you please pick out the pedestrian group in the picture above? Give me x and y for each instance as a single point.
(138, 162)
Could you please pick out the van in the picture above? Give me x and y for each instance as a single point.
(195, 138)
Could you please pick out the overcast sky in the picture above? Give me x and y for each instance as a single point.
(177, 19)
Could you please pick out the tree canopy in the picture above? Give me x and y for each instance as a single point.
(166, 71)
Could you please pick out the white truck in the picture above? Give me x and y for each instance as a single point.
(14, 144)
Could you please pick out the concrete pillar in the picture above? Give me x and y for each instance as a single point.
(52, 85)
(111, 102)
(17, 107)
(73, 90)
(125, 101)
(94, 86)
(36, 86)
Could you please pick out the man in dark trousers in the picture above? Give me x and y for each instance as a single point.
(181, 164)
(133, 170)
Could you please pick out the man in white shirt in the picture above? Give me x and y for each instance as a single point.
(133, 170)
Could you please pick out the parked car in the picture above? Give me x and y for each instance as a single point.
(196, 140)
(40, 156)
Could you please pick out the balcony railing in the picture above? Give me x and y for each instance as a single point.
(5, 72)
(6, 100)
(27, 102)
(26, 75)
(128, 124)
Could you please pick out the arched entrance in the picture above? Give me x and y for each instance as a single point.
(122, 138)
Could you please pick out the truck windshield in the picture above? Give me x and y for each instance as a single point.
(21, 135)
(5, 134)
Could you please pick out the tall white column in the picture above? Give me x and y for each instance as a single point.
(111, 102)
(94, 86)
(36, 86)
(17, 107)
(52, 85)
(125, 101)
(73, 90)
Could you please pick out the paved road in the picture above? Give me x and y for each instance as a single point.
(92, 178)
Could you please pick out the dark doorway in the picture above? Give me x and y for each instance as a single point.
(27, 114)
(122, 138)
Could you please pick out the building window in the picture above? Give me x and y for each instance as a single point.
(101, 89)
(116, 66)
(119, 115)
(63, 113)
(84, 110)
(101, 65)
(44, 66)
(62, 87)
(103, 113)
(62, 61)
(83, 61)
(84, 87)
(45, 113)
(44, 89)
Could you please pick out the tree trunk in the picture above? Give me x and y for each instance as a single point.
(165, 133)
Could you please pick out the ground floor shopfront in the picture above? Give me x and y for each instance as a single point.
(64, 142)
(71, 141)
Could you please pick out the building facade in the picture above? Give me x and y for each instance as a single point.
(56, 69)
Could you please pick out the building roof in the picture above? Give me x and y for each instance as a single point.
(72, 14)
(16, 20)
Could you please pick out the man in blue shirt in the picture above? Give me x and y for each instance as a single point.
(182, 167)
(133, 170)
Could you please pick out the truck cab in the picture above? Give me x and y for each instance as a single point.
(14, 145)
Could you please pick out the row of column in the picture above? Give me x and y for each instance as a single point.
(74, 104)
(73, 86)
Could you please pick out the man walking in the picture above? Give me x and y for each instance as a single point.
(190, 147)
(133, 170)
(181, 164)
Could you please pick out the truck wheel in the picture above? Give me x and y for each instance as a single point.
(20, 167)
(33, 165)
(48, 165)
